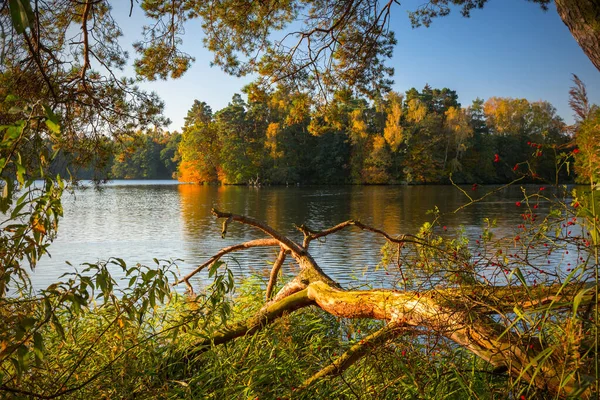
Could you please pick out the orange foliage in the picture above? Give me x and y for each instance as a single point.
(192, 171)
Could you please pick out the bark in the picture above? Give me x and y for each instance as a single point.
(582, 17)
(450, 314)
(356, 352)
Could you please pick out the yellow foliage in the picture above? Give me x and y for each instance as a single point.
(378, 143)
(358, 126)
(299, 110)
(506, 115)
(271, 141)
(316, 127)
(416, 111)
(393, 131)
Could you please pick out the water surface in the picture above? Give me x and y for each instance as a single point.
(142, 220)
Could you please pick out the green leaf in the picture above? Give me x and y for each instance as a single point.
(517, 272)
(50, 114)
(5, 190)
(15, 212)
(53, 126)
(101, 282)
(28, 323)
(132, 281)
(38, 346)
(578, 298)
(121, 262)
(149, 275)
(17, 367)
(13, 132)
(21, 14)
(58, 326)
(214, 267)
(152, 299)
(15, 110)
(20, 173)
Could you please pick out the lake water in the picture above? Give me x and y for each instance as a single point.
(142, 220)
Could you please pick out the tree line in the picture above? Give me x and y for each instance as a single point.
(280, 137)
(419, 137)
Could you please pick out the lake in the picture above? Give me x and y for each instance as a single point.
(142, 220)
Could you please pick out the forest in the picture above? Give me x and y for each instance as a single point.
(484, 314)
(416, 138)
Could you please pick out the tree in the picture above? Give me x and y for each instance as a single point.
(169, 155)
(145, 156)
(523, 129)
(330, 45)
(67, 56)
(241, 146)
(506, 324)
(199, 147)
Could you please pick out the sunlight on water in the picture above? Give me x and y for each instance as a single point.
(142, 220)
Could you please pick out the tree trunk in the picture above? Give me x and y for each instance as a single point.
(582, 17)
(474, 316)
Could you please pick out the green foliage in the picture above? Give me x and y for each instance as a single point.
(30, 199)
(274, 362)
(121, 347)
(75, 77)
(146, 156)
(280, 136)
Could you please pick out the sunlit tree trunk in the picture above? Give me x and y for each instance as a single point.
(582, 17)
(465, 315)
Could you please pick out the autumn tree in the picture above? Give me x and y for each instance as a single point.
(199, 148)
(525, 130)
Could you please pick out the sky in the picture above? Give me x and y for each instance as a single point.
(511, 48)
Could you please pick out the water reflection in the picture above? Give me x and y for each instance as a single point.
(140, 220)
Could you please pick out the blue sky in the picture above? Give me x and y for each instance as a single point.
(511, 48)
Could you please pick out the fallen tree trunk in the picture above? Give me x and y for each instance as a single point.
(475, 317)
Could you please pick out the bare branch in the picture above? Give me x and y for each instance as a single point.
(310, 235)
(274, 272)
(222, 252)
(286, 242)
